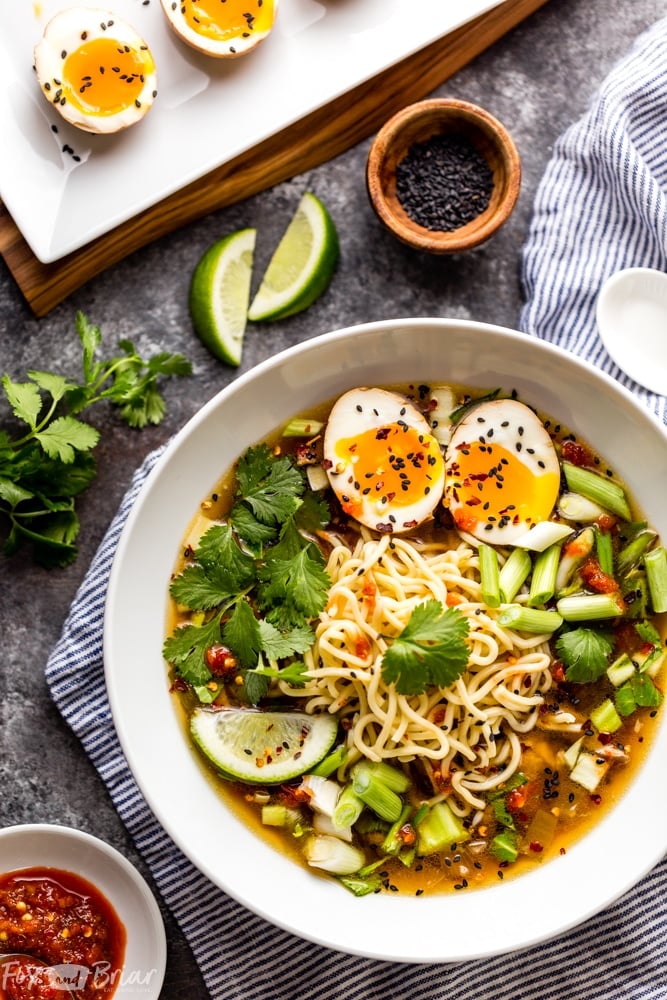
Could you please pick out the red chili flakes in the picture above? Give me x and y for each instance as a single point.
(577, 454)
(536, 847)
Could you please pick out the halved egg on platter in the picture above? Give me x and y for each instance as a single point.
(95, 69)
(223, 29)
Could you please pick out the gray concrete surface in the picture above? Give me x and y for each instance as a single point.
(537, 80)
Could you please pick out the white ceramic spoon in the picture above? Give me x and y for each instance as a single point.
(632, 321)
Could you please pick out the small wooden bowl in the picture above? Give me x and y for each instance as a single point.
(418, 123)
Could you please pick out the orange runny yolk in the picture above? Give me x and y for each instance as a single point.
(395, 462)
(228, 19)
(502, 488)
(104, 76)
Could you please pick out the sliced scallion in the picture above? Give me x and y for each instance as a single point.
(439, 829)
(383, 801)
(331, 762)
(302, 427)
(655, 563)
(543, 580)
(589, 771)
(490, 575)
(604, 550)
(621, 670)
(540, 536)
(333, 855)
(533, 620)
(590, 607)
(605, 718)
(598, 488)
(630, 555)
(513, 574)
(575, 507)
(348, 808)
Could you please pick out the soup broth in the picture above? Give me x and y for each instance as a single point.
(494, 688)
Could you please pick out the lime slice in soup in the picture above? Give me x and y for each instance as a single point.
(262, 747)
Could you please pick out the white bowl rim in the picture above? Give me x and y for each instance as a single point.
(52, 835)
(414, 943)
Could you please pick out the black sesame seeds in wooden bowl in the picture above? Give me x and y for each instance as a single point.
(443, 175)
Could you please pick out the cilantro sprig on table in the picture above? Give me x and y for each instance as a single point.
(258, 580)
(47, 466)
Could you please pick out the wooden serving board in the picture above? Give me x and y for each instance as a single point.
(307, 143)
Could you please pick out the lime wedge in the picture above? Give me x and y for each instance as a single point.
(220, 292)
(302, 265)
(262, 747)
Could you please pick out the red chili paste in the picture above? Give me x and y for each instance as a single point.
(58, 918)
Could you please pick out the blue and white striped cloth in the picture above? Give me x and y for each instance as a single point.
(601, 207)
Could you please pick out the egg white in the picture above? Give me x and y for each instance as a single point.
(502, 472)
(64, 35)
(229, 46)
(382, 460)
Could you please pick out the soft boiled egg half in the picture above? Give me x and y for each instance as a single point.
(221, 28)
(95, 70)
(502, 472)
(383, 463)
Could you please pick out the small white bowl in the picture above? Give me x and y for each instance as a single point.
(632, 322)
(52, 846)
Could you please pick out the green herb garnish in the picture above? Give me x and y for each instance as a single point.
(45, 468)
(430, 651)
(585, 653)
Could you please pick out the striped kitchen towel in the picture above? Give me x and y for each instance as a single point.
(600, 207)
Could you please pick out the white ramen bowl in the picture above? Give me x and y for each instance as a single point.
(47, 845)
(439, 928)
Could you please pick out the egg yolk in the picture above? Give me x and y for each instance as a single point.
(227, 19)
(104, 76)
(493, 486)
(394, 464)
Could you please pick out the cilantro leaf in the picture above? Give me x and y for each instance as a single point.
(294, 674)
(186, 650)
(64, 436)
(270, 488)
(294, 590)
(42, 471)
(24, 399)
(585, 653)
(241, 633)
(279, 645)
(638, 692)
(430, 651)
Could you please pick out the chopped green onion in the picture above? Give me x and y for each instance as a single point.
(621, 670)
(574, 552)
(590, 607)
(605, 718)
(575, 507)
(333, 855)
(439, 829)
(505, 846)
(331, 762)
(604, 551)
(348, 808)
(571, 755)
(513, 574)
(393, 843)
(542, 535)
(317, 478)
(631, 554)
(275, 815)
(390, 776)
(375, 794)
(655, 563)
(302, 427)
(489, 573)
(532, 620)
(439, 416)
(361, 885)
(543, 581)
(598, 488)
(589, 771)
